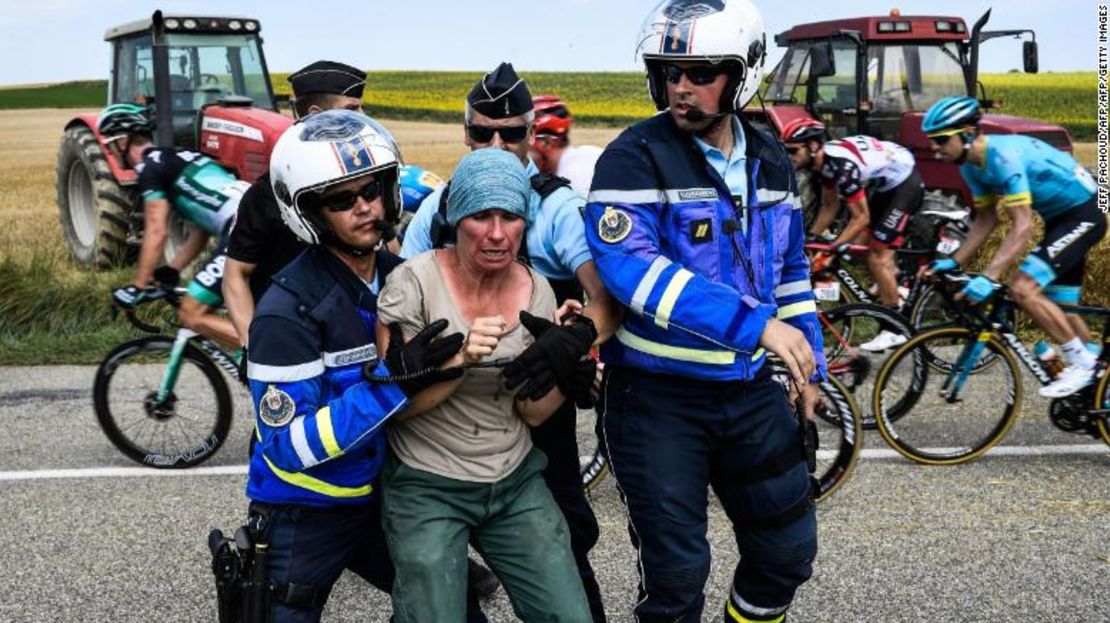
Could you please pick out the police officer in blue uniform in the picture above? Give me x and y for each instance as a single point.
(499, 114)
(693, 221)
(319, 423)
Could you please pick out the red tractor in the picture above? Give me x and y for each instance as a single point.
(878, 75)
(208, 82)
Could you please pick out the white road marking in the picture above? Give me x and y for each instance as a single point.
(1058, 450)
(241, 470)
(122, 472)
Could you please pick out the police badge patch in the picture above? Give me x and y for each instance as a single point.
(276, 407)
(614, 226)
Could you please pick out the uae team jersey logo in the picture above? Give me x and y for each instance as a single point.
(276, 408)
(614, 226)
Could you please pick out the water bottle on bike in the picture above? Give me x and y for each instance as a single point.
(1049, 358)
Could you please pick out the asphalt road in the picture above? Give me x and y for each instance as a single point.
(1007, 538)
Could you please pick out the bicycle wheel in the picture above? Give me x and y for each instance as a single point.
(959, 414)
(844, 329)
(840, 436)
(592, 460)
(1102, 405)
(183, 428)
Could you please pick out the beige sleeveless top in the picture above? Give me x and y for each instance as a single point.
(474, 435)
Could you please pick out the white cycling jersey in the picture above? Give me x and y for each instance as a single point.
(577, 165)
(855, 162)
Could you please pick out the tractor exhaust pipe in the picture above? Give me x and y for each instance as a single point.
(973, 71)
(163, 109)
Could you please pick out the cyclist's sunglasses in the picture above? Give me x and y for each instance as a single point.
(485, 133)
(941, 139)
(344, 201)
(700, 75)
(793, 149)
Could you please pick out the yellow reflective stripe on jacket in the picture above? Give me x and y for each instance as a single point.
(796, 309)
(985, 201)
(670, 297)
(327, 435)
(1010, 201)
(716, 357)
(316, 485)
(739, 618)
(759, 353)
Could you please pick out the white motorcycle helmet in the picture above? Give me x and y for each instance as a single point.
(325, 149)
(716, 31)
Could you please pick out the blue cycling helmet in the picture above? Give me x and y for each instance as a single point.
(950, 115)
(416, 184)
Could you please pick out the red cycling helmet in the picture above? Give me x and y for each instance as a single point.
(552, 117)
(803, 129)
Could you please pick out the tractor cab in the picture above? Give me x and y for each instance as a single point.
(183, 64)
(208, 82)
(878, 76)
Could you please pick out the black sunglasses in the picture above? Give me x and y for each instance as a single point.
(341, 202)
(485, 133)
(940, 141)
(793, 149)
(700, 75)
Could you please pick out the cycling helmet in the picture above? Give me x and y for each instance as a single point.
(325, 149)
(416, 184)
(727, 31)
(950, 115)
(552, 116)
(803, 129)
(125, 119)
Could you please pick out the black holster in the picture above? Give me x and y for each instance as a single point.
(243, 589)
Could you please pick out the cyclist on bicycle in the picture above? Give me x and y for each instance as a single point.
(552, 151)
(848, 168)
(193, 185)
(1025, 175)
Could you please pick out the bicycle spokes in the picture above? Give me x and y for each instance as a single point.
(965, 364)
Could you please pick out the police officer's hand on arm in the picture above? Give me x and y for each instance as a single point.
(791, 346)
(419, 359)
(552, 359)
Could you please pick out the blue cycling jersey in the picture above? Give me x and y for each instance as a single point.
(1024, 170)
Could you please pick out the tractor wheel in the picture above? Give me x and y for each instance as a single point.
(94, 209)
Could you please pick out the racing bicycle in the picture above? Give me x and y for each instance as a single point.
(972, 390)
(838, 424)
(161, 399)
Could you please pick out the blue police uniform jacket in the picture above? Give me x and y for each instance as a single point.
(699, 275)
(317, 421)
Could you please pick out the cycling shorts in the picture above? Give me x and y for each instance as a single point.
(891, 211)
(1058, 262)
(207, 283)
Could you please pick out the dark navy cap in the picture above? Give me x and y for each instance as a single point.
(328, 77)
(501, 94)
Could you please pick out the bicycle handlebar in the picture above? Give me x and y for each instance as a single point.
(172, 296)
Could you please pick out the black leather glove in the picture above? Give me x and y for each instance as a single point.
(552, 358)
(167, 277)
(579, 386)
(417, 361)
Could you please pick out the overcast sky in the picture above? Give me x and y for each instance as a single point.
(58, 40)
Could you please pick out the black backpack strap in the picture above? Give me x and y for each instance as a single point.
(442, 233)
(547, 183)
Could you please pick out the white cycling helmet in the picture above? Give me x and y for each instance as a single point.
(325, 149)
(716, 31)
